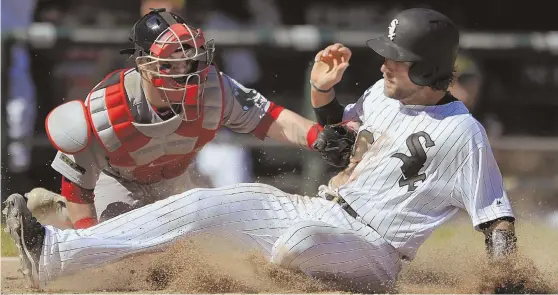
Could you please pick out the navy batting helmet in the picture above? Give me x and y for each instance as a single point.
(428, 39)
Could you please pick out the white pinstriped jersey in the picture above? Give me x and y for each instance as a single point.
(423, 164)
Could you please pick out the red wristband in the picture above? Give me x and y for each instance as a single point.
(312, 134)
(85, 223)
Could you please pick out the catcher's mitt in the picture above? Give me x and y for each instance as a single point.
(335, 144)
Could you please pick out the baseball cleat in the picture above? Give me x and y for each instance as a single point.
(28, 235)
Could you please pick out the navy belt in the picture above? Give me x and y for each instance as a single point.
(339, 200)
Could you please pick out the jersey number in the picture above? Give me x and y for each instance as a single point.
(413, 163)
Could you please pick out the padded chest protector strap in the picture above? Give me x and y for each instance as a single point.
(113, 121)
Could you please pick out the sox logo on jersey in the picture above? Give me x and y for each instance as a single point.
(415, 162)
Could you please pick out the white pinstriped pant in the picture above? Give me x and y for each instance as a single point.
(313, 235)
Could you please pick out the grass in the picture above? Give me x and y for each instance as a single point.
(8, 246)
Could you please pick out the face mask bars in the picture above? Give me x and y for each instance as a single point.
(204, 56)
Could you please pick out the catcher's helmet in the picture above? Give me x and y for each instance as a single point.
(175, 56)
(425, 37)
(148, 28)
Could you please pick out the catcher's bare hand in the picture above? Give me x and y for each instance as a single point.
(329, 66)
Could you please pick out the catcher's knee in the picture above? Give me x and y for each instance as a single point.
(113, 210)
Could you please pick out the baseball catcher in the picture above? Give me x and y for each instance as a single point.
(133, 140)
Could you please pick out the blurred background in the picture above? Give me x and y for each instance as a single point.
(57, 50)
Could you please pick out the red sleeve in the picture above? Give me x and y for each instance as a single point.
(270, 116)
(75, 194)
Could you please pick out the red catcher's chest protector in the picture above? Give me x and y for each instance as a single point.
(149, 153)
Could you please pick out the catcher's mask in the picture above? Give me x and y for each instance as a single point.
(175, 58)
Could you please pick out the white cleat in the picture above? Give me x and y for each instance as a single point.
(28, 235)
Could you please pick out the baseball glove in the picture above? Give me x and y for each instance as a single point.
(335, 144)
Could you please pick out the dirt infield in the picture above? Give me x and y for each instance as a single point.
(450, 262)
